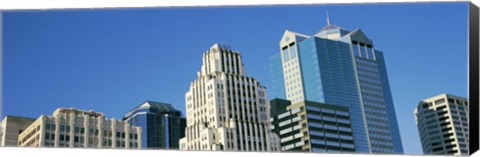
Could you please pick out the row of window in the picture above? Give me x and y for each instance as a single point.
(363, 50)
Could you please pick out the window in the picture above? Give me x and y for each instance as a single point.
(363, 51)
(370, 52)
(285, 55)
(355, 50)
(440, 101)
(293, 52)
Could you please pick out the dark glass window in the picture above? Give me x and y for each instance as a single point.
(370, 52)
(363, 51)
(355, 50)
(439, 101)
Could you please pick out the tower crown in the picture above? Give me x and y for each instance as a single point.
(222, 58)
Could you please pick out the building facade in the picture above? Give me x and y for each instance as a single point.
(69, 127)
(442, 123)
(161, 123)
(340, 67)
(227, 110)
(312, 127)
(11, 127)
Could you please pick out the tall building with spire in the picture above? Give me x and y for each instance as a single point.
(340, 67)
(227, 110)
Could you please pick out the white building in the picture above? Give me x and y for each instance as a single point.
(69, 127)
(11, 127)
(227, 110)
(442, 123)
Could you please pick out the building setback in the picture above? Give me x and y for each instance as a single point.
(340, 67)
(227, 110)
(11, 127)
(69, 127)
(312, 127)
(161, 123)
(442, 123)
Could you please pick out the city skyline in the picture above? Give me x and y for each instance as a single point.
(253, 65)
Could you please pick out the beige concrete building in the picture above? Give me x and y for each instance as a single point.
(69, 127)
(312, 127)
(11, 127)
(442, 123)
(227, 110)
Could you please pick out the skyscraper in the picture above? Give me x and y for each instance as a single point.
(69, 127)
(340, 67)
(161, 124)
(442, 123)
(227, 110)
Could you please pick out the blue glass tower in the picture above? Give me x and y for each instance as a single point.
(162, 125)
(340, 67)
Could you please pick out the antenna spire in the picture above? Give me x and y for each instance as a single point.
(328, 19)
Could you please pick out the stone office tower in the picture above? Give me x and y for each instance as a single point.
(227, 110)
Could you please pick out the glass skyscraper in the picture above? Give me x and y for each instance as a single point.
(162, 125)
(340, 67)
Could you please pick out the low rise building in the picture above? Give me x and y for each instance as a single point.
(69, 127)
(162, 124)
(312, 127)
(11, 127)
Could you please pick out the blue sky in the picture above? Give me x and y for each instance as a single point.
(111, 60)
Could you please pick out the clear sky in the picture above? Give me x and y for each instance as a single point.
(111, 60)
